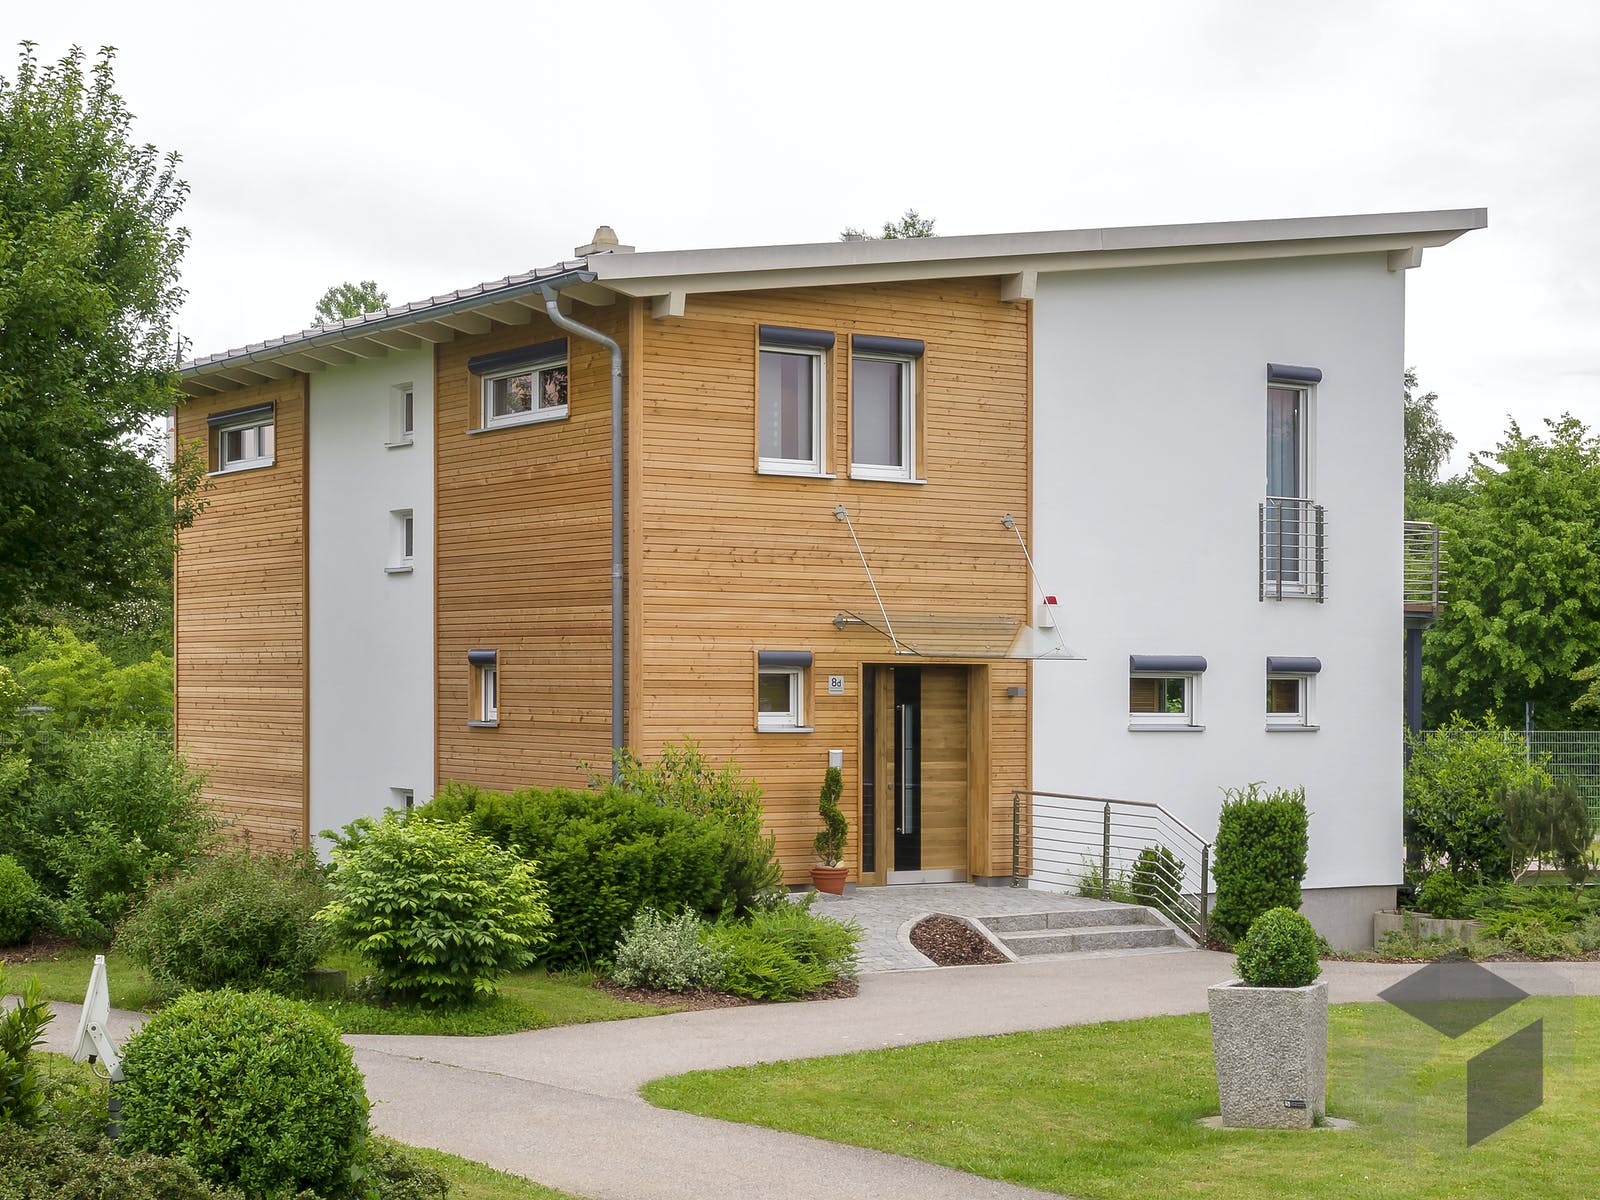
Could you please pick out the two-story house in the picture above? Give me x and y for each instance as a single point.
(783, 500)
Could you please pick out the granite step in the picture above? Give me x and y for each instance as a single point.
(1087, 938)
(1070, 918)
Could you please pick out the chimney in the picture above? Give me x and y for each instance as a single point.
(603, 242)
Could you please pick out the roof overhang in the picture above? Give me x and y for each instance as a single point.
(1018, 259)
(506, 302)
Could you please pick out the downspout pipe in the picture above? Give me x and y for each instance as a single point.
(562, 321)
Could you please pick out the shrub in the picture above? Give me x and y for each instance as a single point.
(752, 876)
(1534, 937)
(21, 905)
(1118, 887)
(603, 855)
(667, 953)
(1442, 895)
(829, 842)
(1452, 819)
(1157, 876)
(235, 920)
(393, 1174)
(48, 1162)
(785, 953)
(1261, 854)
(1547, 824)
(440, 912)
(21, 1031)
(1279, 951)
(253, 1090)
(124, 813)
(1405, 943)
(682, 778)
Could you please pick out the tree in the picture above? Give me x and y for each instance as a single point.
(1523, 618)
(1427, 449)
(909, 226)
(89, 259)
(346, 300)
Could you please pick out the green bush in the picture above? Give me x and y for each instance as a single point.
(393, 1174)
(124, 813)
(1535, 937)
(785, 953)
(829, 842)
(1406, 943)
(1453, 820)
(682, 778)
(253, 1090)
(1261, 855)
(1442, 895)
(50, 1163)
(1157, 876)
(1279, 951)
(603, 855)
(440, 912)
(1550, 825)
(21, 1031)
(1118, 887)
(21, 904)
(234, 920)
(670, 953)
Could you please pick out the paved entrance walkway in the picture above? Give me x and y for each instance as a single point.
(561, 1105)
(887, 914)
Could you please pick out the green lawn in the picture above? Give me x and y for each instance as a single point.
(532, 999)
(1108, 1112)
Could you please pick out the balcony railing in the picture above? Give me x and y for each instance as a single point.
(1293, 544)
(1423, 571)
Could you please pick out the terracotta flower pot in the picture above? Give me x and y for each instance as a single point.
(829, 879)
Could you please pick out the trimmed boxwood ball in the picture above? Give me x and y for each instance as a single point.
(253, 1090)
(1280, 951)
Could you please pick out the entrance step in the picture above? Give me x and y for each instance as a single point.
(1079, 931)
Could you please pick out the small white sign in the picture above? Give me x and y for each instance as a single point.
(835, 685)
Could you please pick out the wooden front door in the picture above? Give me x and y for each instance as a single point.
(916, 790)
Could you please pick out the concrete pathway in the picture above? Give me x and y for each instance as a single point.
(561, 1105)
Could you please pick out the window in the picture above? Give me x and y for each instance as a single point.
(883, 414)
(781, 690)
(1164, 691)
(524, 385)
(402, 541)
(485, 665)
(790, 411)
(402, 415)
(402, 798)
(1290, 529)
(243, 439)
(1289, 687)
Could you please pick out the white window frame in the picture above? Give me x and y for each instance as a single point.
(791, 720)
(402, 541)
(486, 693)
(402, 415)
(1189, 718)
(907, 471)
(404, 799)
(257, 423)
(816, 464)
(1303, 583)
(537, 369)
(1295, 720)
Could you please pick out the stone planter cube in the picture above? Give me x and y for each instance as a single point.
(1271, 1047)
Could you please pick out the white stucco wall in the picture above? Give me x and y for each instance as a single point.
(371, 631)
(1149, 465)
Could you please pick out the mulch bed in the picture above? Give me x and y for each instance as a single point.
(703, 998)
(953, 943)
(43, 946)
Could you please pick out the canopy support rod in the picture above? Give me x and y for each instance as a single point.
(1010, 523)
(841, 513)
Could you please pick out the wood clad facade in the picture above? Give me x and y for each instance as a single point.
(240, 618)
(523, 565)
(731, 562)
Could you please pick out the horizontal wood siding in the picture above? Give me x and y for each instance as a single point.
(732, 562)
(240, 599)
(523, 566)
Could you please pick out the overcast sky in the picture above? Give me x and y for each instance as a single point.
(431, 146)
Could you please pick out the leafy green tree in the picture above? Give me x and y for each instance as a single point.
(346, 300)
(1524, 603)
(89, 258)
(83, 689)
(911, 225)
(1427, 449)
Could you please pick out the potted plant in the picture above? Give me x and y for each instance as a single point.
(828, 875)
(1269, 1028)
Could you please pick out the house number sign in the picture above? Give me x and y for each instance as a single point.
(835, 685)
